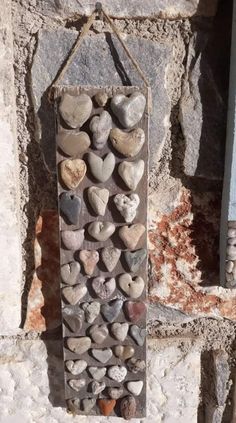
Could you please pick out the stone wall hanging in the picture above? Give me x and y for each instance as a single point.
(102, 168)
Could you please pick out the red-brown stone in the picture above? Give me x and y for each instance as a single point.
(106, 406)
(134, 310)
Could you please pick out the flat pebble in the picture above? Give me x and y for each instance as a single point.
(73, 294)
(73, 240)
(103, 288)
(98, 333)
(102, 355)
(70, 205)
(117, 373)
(76, 367)
(106, 406)
(79, 345)
(89, 258)
(100, 127)
(101, 231)
(135, 310)
(97, 387)
(73, 142)
(72, 172)
(135, 365)
(88, 404)
(120, 330)
(70, 272)
(101, 169)
(128, 407)
(77, 384)
(91, 310)
(128, 144)
(135, 387)
(123, 352)
(101, 98)
(133, 287)
(134, 259)
(127, 205)
(131, 235)
(73, 318)
(110, 257)
(115, 393)
(128, 109)
(131, 173)
(111, 310)
(97, 373)
(75, 109)
(98, 198)
(138, 334)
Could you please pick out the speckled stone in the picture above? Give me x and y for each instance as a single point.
(73, 294)
(135, 365)
(110, 257)
(75, 109)
(106, 406)
(98, 333)
(73, 318)
(79, 345)
(91, 311)
(101, 231)
(97, 373)
(70, 272)
(138, 334)
(77, 384)
(115, 393)
(98, 198)
(97, 387)
(129, 110)
(103, 288)
(131, 235)
(102, 355)
(73, 240)
(111, 310)
(131, 173)
(123, 352)
(101, 169)
(127, 205)
(128, 144)
(134, 259)
(72, 172)
(117, 373)
(133, 287)
(76, 367)
(73, 142)
(101, 98)
(70, 206)
(100, 127)
(134, 310)
(89, 258)
(128, 407)
(120, 330)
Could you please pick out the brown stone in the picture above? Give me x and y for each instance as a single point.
(89, 260)
(106, 406)
(123, 352)
(73, 142)
(128, 407)
(131, 235)
(72, 172)
(128, 144)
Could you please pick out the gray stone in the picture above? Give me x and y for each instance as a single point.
(120, 330)
(101, 231)
(75, 109)
(101, 169)
(135, 365)
(79, 345)
(129, 110)
(91, 311)
(73, 240)
(104, 288)
(70, 205)
(97, 387)
(127, 205)
(76, 367)
(77, 384)
(128, 407)
(134, 259)
(73, 294)
(222, 375)
(98, 333)
(138, 334)
(73, 318)
(98, 198)
(133, 287)
(102, 355)
(111, 310)
(94, 54)
(88, 404)
(100, 127)
(97, 373)
(110, 257)
(131, 173)
(70, 272)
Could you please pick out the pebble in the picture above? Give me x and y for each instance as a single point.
(97, 373)
(98, 198)
(70, 205)
(123, 352)
(131, 173)
(110, 257)
(138, 334)
(120, 330)
(231, 233)
(100, 127)
(135, 387)
(89, 258)
(101, 169)
(231, 252)
(106, 406)
(79, 345)
(129, 110)
(70, 272)
(229, 266)
(73, 294)
(131, 235)
(115, 393)
(73, 142)
(77, 384)
(73, 319)
(74, 405)
(72, 172)
(128, 407)
(98, 333)
(136, 365)
(103, 355)
(97, 387)
(127, 205)
(117, 373)
(134, 310)
(88, 404)
(73, 240)
(128, 144)
(229, 277)
(75, 109)
(101, 231)
(103, 288)
(111, 310)
(101, 98)
(134, 259)
(91, 311)
(76, 367)
(133, 287)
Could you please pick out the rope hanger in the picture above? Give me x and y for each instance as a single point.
(99, 11)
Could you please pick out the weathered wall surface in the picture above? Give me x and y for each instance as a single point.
(183, 46)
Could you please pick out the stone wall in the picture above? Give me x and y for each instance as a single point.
(183, 46)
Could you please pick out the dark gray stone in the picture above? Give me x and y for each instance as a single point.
(134, 259)
(111, 310)
(70, 205)
(100, 61)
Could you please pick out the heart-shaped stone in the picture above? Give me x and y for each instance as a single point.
(73, 294)
(98, 333)
(101, 98)
(117, 373)
(106, 406)
(74, 319)
(134, 310)
(133, 287)
(76, 367)
(103, 288)
(73, 240)
(128, 144)
(102, 355)
(135, 387)
(100, 127)
(97, 387)
(131, 235)
(70, 205)
(123, 352)
(127, 205)
(120, 330)
(131, 173)
(135, 365)
(73, 142)
(72, 172)
(75, 109)
(110, 257)
(115, 393)
(74, 405)
(77, 384)
(70, 272)
(134, 259)
(128, 407)
(88, 404)
(111, 310)
(129, 110)
(89, 258)
(98, 198)
(97, 373)
(79, 345)
(91, 311)
(101, 231)
(138, 334)
(101, 169)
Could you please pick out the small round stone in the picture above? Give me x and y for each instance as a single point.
(128, 407)
(91, 311)
(70, 272)
(101, 98)
(120, 330)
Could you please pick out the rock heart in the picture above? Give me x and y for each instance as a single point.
(134, 310)
(135, 365)
(123, 352)
(72, 172)
(74, 319)
(134, 259)
(97, 387)
(132, 287)
(138, 334)
(97, 373)
(128, 407)
(91, 311)
(103, 288)
(76, 384)
(73, 142)
(76, 367)
(127, 205)
(106, 406)
(100, 127)
(73, 294)
(70, 205)
(103, 355)
(115, 393)
(135, 387)
(101, 169)
(128, 144)
(98, 198)
(79, 345)
(131, 235)
(73, 240)
(129, 110)
(117, 373)
(88, 404)
(101, 231)
(131, 173)
(70, 272)
(89, 258)
(98, 333)
(110, 257)
(111, 310)
(120, 330)
(75, 109)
